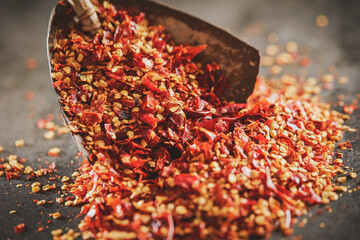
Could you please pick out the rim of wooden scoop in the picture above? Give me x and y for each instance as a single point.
(238, 60)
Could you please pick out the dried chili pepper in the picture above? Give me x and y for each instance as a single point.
(169, 159)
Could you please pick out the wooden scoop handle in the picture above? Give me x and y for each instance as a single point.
(86, 13)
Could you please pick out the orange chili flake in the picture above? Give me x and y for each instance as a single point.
(19, 143)
(345, 145)
(54, 152)
(353, 175)
(20, 228)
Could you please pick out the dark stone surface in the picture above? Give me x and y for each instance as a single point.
(23, 26)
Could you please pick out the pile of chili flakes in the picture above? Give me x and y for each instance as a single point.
(168, 158)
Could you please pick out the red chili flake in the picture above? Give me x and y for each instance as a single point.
(187, 181)
(20, 228)
(149, 85)
(31, 177)
(90, 118)
(349, 109)
(188, 53)
(54, 152)
(12, 175)
(345, 145)
(149, 118)
(160, 138)
(52, 166)
(149, 103)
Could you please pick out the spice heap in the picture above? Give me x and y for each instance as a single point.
(15, 168)
(168, 158)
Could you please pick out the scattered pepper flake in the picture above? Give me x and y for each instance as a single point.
(20, 228)
(54, 152)
(56, 232)
(341, 179)
(345, 145)
(65, 179)
(36, 189)
(19, 143)
(28, 170)
(34, 184)
(41, 202)
(353, 175)
(55, 215)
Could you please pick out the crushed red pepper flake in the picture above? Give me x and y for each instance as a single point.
(15, 168)
(171, 160)
(170, 153)
(341, 179)
(345, 145)
(19, 143)
(54, 152)
(55, 215)
(353, 175)
(20, 228)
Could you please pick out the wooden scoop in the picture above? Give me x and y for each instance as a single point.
(238, 60)
(86, 13)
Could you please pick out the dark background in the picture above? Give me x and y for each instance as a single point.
(23, 26)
